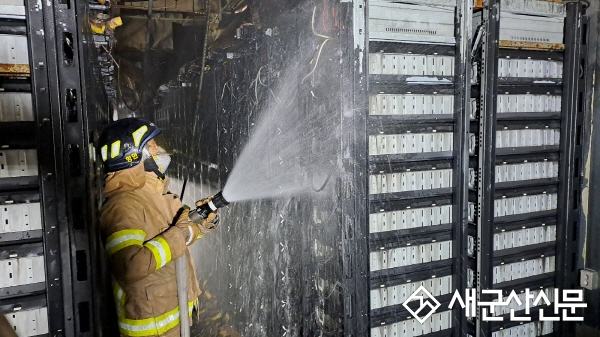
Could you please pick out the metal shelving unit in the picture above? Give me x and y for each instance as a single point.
(515, 122)
(46, 231)
(24, 288)
(523, 148)
(417, 91)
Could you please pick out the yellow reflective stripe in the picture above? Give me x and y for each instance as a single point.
(138, 134)
(104, 152)
(115, 149)
(148, 326)
(190, 307)
(124, 238)
(161, 251)
(119, 299)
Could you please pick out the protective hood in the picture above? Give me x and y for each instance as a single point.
(125, 180)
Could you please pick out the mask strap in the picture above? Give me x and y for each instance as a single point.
(150, 166)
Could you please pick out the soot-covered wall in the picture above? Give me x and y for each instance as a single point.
(275, 265)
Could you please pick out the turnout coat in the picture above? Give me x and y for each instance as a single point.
(141, 243)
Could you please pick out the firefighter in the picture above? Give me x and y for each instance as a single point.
(145, 228)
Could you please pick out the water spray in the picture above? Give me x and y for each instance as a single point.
(202, 212)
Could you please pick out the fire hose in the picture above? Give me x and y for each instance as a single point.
(196, 215)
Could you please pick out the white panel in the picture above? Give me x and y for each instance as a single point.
(534, 7)
(541, 69)
(528, 28)
(373, 150)
(503, 66)
(410, 64)
(387, 104)
(547, 327)
(29, 323)
(375, 63)
(531, 329)
(518, 205)
(15, 107)
(13, 49)
(378, 331)
(410, 181)
(382, 145)
(375, 258)
(18, 163)
(20, 217)
(446, 141)
(397, 294)
(522, 269)
(410, 218)
(411, 23)
(12, 9)
(384, 259)
(528, 103)
(526, 171)
(410, 143)
(413, 328)
(26, 270)
(527, 137)
(419, 65)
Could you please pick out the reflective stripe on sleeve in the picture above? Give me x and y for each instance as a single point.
(161, 251)
(124, 238)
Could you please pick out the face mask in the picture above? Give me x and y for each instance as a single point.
(162, 161)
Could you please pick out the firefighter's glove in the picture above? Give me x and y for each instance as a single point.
(212, 221)
(190, 229)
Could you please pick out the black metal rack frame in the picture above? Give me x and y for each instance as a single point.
(458, 160)
(56, 33)
(355, 201)
(569, 153)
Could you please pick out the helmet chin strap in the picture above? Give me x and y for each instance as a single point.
(150, 166)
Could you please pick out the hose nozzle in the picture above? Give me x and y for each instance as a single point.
(202, 212)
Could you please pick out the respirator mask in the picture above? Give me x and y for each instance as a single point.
(162, 161)
(158, 163)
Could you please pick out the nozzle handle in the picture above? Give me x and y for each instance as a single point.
(202, 212)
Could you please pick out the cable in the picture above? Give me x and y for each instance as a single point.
(226, 85)
(313, 25)
(256, 80)
(316, 62)
(327, 38)
(586, 4)
(139, 102)
(326, 181)
(111, 57)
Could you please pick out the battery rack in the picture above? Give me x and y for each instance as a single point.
(26, 285)
(45, 288)
(416, 123)
(526, 113)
